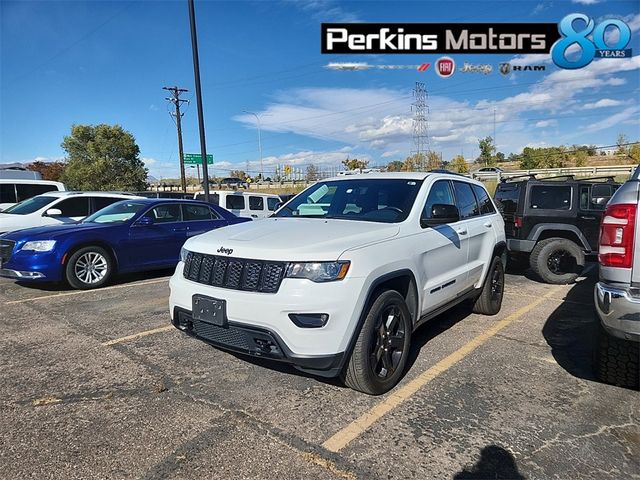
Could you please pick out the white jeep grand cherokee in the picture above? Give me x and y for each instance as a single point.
(336, 281)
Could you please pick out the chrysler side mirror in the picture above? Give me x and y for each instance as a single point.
(145, 221)
(53, 212)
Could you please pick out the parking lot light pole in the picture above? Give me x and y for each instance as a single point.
(196, 74)
(259, 143)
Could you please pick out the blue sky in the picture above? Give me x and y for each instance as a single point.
(106, 62)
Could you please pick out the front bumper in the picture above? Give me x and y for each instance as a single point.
(619, 311)
(342, 301)
(257, 342)
(21, 275)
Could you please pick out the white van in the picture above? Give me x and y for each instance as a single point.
(13, 190)
(243, 204)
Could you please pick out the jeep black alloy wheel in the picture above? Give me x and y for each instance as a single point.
(89, 267)
(489, 302)
(557, 260)
(387, 345)
(381, 350)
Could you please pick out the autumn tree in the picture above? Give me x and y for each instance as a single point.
(241, 174)
(103, 157)
(395, 166)
(622, 144)
(354, 164)
(433, 160)
(459, 164)
(580, 158)
(49, 171)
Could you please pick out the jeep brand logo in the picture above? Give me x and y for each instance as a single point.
(445, 66)
(228, 251)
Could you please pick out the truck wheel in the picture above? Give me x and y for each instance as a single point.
(616, 361)
(557, 260)
(89, 267)
(380, 354)
(490, 300)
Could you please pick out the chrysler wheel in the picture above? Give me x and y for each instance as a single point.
(89, 267)
(380, 354)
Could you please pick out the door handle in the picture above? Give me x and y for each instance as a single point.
(587, 217)
(487, 224)
(461, 231)
(184, 229)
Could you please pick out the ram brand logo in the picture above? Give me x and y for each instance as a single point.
(227, 251)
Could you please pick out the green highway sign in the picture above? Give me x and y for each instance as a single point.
(196, 158)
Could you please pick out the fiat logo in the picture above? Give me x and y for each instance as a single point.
(445, 66)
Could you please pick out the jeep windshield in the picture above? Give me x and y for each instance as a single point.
(368, 200)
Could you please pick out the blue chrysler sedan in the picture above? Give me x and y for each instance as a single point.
(127, 236)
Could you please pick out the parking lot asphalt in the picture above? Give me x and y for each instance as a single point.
(97, 385)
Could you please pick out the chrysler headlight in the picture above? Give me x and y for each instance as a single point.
(39, 245)
(183, 254)
(318, 271)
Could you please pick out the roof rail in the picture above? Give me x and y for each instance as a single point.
(608, 178)
(532, 176)
(569, 176)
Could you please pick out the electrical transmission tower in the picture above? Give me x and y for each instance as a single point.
(177, 101)
(420, 110)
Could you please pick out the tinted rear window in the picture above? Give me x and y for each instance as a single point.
(256, 203)
(507, 197)
(465, 200)
(28, 190)
(235, 202)
(550, 197)
(486, 206)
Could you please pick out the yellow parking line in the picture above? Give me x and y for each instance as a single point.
(356, 428)
(80, 292)
(135, 336)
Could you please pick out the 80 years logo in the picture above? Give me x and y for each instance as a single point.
(588, 48)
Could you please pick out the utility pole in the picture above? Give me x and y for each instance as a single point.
(259, 144)
(196, 74)
(177, 101)
(495, 144)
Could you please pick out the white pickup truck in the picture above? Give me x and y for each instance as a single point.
(617, 294)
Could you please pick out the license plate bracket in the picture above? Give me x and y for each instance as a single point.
(209, 310)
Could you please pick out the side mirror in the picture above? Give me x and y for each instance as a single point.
(53, 212)
(279, 204)
(145, 221)
(441, 214)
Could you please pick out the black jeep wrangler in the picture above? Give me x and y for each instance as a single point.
(553, 222)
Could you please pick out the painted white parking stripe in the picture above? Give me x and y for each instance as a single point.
(80, 292)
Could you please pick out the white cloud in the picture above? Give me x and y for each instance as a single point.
(546, 123)
(325, 10)
(603, 103)
(149, 161)
(586, 2)
(629, 113)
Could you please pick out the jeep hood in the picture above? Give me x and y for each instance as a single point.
(292, 239)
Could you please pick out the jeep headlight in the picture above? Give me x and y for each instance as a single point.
(183, 254)
(39, 245)
(318, 271)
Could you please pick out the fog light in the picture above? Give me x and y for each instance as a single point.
(309, 320)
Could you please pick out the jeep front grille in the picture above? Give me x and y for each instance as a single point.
(234, 273)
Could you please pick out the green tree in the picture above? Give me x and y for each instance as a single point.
(312, 173)
(49, 171)
(459, 164)
(634, 152)
(528, 159)
(395, 166)
(500, 157)
(103, 157)
(487, 148)
(354, 164)
(580, 158)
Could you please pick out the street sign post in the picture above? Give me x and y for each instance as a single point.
(196, 158)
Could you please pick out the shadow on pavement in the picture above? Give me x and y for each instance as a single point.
(495, 463)
(117, 280)
(571, 330)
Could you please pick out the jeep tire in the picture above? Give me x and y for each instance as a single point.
(557, 260)
(89, 267)
(489, 301)
(616, 360)
(380, 353)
